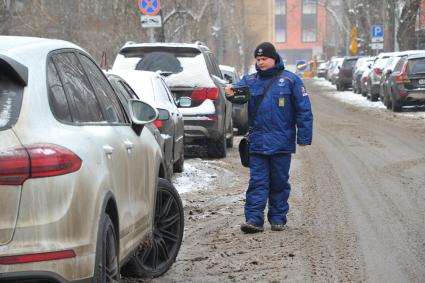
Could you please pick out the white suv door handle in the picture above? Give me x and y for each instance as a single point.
(128, 145)
(108, 150)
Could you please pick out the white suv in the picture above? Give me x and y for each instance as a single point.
(190, 70)
(80, 186)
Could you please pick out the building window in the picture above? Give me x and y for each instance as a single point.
(309, 20)
(280, 20)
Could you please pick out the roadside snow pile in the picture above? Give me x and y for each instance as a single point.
(348, 96)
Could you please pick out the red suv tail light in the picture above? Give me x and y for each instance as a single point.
(205, 93)
(36, 161)
(402, 77)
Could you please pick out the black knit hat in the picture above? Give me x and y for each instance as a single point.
(266, 49)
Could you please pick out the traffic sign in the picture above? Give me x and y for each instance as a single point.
(149, 7)
(301, 66)
(377, 39)
(377, 45)
(377, 31)
(151, 21)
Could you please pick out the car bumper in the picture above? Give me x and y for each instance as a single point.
(345, 81)
(37, 277)
(412, 97)
(201, 128)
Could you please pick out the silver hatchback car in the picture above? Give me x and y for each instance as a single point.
(81, 193)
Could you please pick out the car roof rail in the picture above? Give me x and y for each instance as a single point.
(130, 43)
(198, 42)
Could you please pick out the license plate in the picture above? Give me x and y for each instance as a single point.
(422, 81)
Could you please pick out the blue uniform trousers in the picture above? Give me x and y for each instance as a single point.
(269, 180)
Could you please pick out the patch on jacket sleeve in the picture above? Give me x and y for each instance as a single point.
(304, 91)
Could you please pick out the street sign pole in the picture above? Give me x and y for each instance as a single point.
(377, 34)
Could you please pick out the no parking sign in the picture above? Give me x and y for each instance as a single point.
(149, 7)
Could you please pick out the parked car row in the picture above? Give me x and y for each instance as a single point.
(84, 194)
(397, 79)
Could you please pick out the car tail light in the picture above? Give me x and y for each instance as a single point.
(205, 93)
(378, 71)
(212, 117)
(19, 259)
(36, 161)
(158, 124)
(402, 77)
(14, 166)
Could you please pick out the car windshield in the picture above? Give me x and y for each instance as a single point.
(10, 101)
(416, 66)
(380, 63)
(349, 63)
(362, 63)
(180, 66)
(160, 61)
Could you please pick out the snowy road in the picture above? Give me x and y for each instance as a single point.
(357, 206)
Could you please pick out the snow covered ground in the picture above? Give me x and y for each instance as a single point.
(349, 97)
(200, 174)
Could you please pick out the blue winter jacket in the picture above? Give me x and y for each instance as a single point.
(284, 116)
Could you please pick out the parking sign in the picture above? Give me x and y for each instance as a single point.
(377, 31)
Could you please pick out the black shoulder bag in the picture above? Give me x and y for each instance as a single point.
(244, 143)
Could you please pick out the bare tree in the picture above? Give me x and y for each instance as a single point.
(406, 31)
(4, 16)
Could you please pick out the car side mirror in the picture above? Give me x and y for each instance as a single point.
(185, 101)
(141, 113)
(163, 114)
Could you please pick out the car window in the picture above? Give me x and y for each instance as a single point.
(161, 93)
(167, 90)
(85, 107)
(215, 69)
(57, 98)
(399, 65)
(160, 61)
(130, 91)
(10, 100)
(416, 66)
(123, 96)
(105, 92)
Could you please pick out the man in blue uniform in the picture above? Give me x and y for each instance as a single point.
(283, 118)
